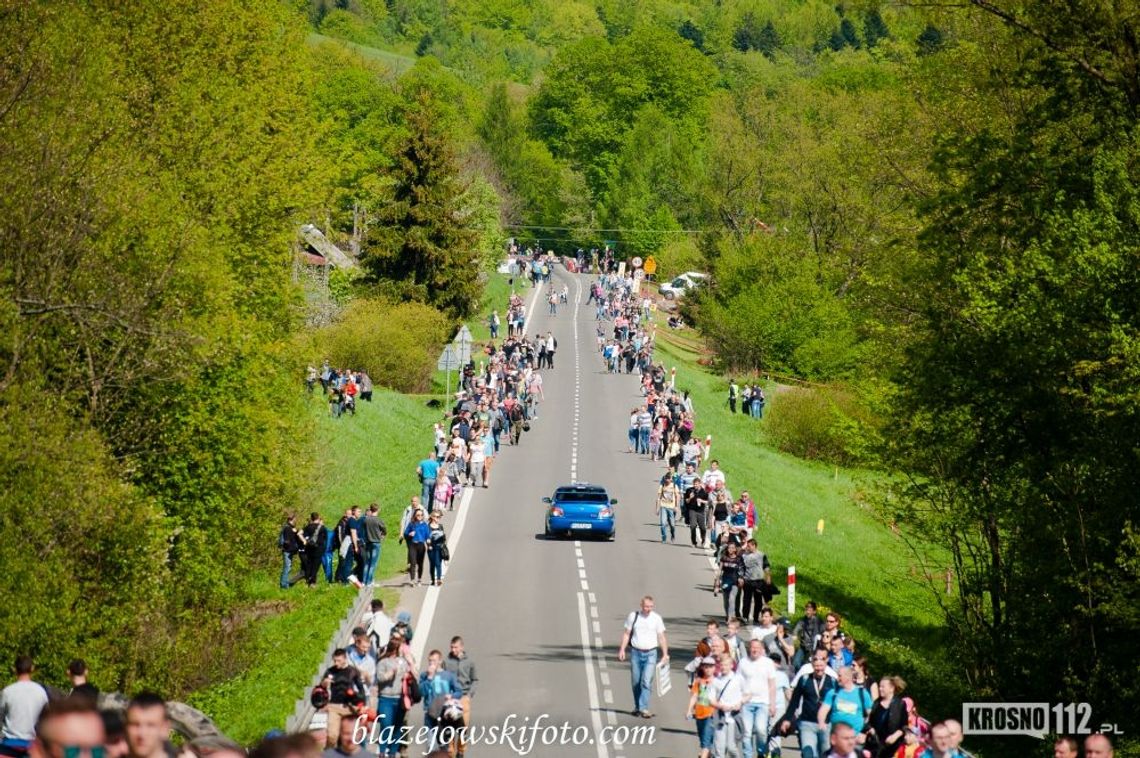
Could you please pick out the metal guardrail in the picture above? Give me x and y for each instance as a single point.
(303, 710)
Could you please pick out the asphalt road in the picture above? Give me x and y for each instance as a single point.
(542, 619)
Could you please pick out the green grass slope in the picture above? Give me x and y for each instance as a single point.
(368, 458)
(857, 566)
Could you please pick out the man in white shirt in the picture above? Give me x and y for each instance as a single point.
(766, 628)
(644, 633)
(20, 706)
(713, 475)
(378, 624)
(758, 674)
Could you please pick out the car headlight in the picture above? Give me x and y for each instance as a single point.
(557, 512)
(606, 513)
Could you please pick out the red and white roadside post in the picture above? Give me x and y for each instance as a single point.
(791, 591)
(673, 378)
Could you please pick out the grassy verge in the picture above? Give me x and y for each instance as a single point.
(856, 566)
(367, 458)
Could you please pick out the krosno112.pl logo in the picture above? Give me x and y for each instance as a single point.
(1032, 719)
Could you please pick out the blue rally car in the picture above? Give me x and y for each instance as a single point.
(580, 509)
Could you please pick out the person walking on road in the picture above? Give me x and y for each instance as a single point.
(417, 534)
(668, 503)
(459, 664)
(644, 634)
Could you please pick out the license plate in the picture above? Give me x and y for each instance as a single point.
(581, 526)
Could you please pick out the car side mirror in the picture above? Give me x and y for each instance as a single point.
(547, 500)
(613, 501)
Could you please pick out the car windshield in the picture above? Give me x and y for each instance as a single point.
(679, 282)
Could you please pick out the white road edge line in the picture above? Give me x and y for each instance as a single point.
(431, 599)
(591, 686)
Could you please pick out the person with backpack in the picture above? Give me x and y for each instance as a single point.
(803, 709)
(289, 541)
(644, 633)
(668, 504)
(345, 545)
(846, 705)
(316, 536)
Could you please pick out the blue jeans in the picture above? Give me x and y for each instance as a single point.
(344, 568)
(643, 440)
(642, 665)
(668, 518)
(390, 713)
(706, 732)
(755, 718)
(429, 488)
(286, 569)
(371, 558)
(814, 742)
(633, 438)
(435, 561)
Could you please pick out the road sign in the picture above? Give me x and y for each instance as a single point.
(449, 359)
(650, 265)
(463, 342)
(636, 262)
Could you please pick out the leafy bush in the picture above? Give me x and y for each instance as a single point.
(397, 344)
(679, 255)
(831, 424)
(84, 565)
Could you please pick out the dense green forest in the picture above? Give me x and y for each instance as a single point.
(931, 211)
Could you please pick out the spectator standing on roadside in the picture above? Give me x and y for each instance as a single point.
(291, 542)
(20, 706)
(357, 524)
(80, 687)
(343, 540)
(316, 536)
(644, 633)
(374, 533)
